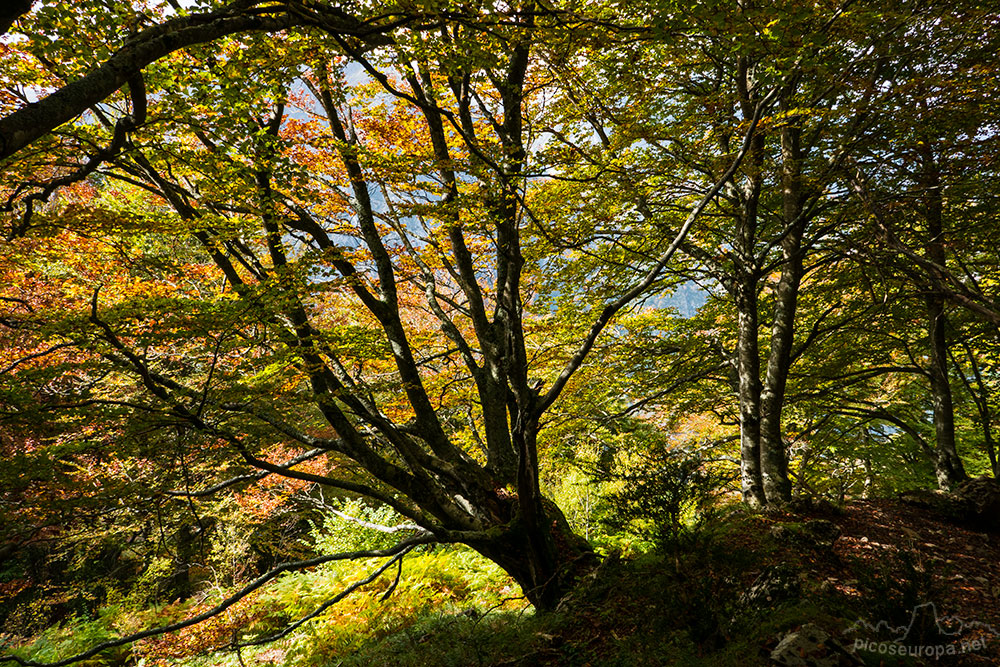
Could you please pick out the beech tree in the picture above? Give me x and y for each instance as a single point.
(788, 212)
(923, 188)
(342, 234)
(309, 224)
(814, 83)
(336, 186)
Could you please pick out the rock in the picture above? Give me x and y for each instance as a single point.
(822, 532)
(774, 585)
(812, 646)
(946, 505)
(974, 502)
(981, 499)
(817, 534)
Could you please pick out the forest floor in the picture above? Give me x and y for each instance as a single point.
(879, 577)
(821, 586)
(961, 565)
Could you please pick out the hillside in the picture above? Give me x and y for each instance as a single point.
(728, 593)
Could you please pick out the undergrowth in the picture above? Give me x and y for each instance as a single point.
(430, 582)
(681, 601)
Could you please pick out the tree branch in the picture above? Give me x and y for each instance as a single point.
(612, 308)
(395, 551)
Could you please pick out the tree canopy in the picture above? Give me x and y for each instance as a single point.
(425, 254)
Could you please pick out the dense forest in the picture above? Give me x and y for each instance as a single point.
(543, 332)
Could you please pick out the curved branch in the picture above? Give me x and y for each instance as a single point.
(398, 558)
(32, 122)
(124, 125)
(305, 456)
(395, 551)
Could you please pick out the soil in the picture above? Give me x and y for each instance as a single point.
(957, 568)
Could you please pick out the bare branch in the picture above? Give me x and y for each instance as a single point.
(395, 551)
(398, 558)
(305, 456)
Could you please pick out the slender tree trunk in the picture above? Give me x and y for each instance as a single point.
(748, 368)
(866, 492)
(991, 450)
(982, 401)
(180, 582)
(947, 464)
(773, 454)
(800, 477)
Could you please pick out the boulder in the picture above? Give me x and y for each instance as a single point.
(947, 506)
(981, 500)
(774, 585)
(974, 502)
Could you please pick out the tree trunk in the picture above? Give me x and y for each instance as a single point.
(748, 368)
(180, 582)
(982, 401)
(948, 466)
(744, 292)
(773, 454)
(545, 559)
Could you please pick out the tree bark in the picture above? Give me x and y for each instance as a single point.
(948, 466)
(744, 293)
(773, 454)
(748, 369)
(542, 554)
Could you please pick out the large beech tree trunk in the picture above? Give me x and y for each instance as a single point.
(748, 370)
(744, 293)
(542, 554)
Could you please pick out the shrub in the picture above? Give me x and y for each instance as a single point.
(663, 495)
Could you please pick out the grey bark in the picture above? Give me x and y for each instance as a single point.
(744, 292)
(748, 369)
(948, 466)
(773, 453)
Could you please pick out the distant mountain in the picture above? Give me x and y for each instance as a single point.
(686, 299)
